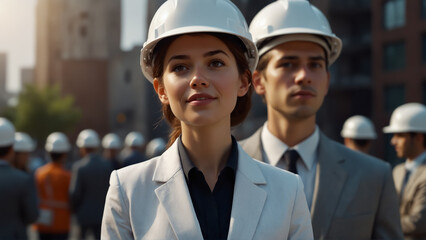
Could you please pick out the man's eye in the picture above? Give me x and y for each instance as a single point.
(287, 64)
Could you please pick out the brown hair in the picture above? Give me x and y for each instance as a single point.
(237, 48)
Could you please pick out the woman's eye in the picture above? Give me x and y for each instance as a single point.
(217, 63)
(287, 64)
(179, 68)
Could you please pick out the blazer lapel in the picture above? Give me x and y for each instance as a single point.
(174, 195)
(248, 200)
(329, 182)
(253, 145)
(413, 181)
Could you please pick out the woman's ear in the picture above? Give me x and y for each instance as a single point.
(161, 91)
(245, 84)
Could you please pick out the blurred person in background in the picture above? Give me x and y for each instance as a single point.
(89, 184)
(23, 147)
(408, 126)
(358, 133)
(155, 147)
(350, 195)
(112, 145)
(18, 200)
(134, 151)
(53, 182)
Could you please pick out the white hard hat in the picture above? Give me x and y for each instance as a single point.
(23, 143)
(409, 117)
(358, 127)
(112, 141)
(7, 133)
(57, 142)
(88, 138)
(177, 17)
(155, 146)
(293, 20)
(134, 139)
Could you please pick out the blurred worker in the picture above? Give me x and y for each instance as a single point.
(408, 126)
(89, 184)
(351, 195)
(135, 148)
(23, 147)
(53, 182)
(18, 201)
(358, 133)
(155, 147)
(112, 145)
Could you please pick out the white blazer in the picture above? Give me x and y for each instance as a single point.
(150, 200)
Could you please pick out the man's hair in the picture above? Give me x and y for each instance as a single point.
(55, 156)
(5, 150)
(361, 142)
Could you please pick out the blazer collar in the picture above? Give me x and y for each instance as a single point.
(415, 179)
(253, 145)
(330, 179)
(174, 196)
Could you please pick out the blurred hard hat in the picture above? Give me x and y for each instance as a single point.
(155, 147)
(358, 127)
(7, 133)
(409, 117)
(293, 20)
(23, 143)
(134, 139)
(57, 142)
(176, 17)
(112, 141)
(88, 138)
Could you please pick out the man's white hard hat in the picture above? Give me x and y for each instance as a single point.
(358, 127)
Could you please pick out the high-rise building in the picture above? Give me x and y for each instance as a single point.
(399, 59)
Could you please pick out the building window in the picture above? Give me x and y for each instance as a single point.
(127, 76)
(424, 47)
(424, 92)
(394, 97)
(424, 9)
(393, 14)
(394, 56)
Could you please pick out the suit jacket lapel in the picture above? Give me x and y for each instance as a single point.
(410, 188)
(174, 195)
(253, 145)
(329, 182)
(248, 200)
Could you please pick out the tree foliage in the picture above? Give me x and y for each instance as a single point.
(41, 111)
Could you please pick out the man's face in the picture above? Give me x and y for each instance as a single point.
(295, 81)
(403, 144)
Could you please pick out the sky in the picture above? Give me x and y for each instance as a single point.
(17, 34)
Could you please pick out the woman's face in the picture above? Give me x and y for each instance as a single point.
(200, 80)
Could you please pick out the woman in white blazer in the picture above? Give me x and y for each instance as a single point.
(199, 56)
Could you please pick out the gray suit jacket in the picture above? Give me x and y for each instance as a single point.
(354, 195)
(18, 202)
(88, 188)
(151, 200)
(413, 201)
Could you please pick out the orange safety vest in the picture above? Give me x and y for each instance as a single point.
(53, 183)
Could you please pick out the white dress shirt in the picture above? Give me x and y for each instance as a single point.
(413, 165)
(274, 148)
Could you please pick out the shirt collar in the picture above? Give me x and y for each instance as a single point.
(187, 163)
(275, 148)
(412, 165)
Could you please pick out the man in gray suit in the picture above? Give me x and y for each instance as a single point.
(351, 195)
(89, 184)
(408, 126)
(18, 202)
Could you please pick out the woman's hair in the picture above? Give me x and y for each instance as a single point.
(237, 48)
